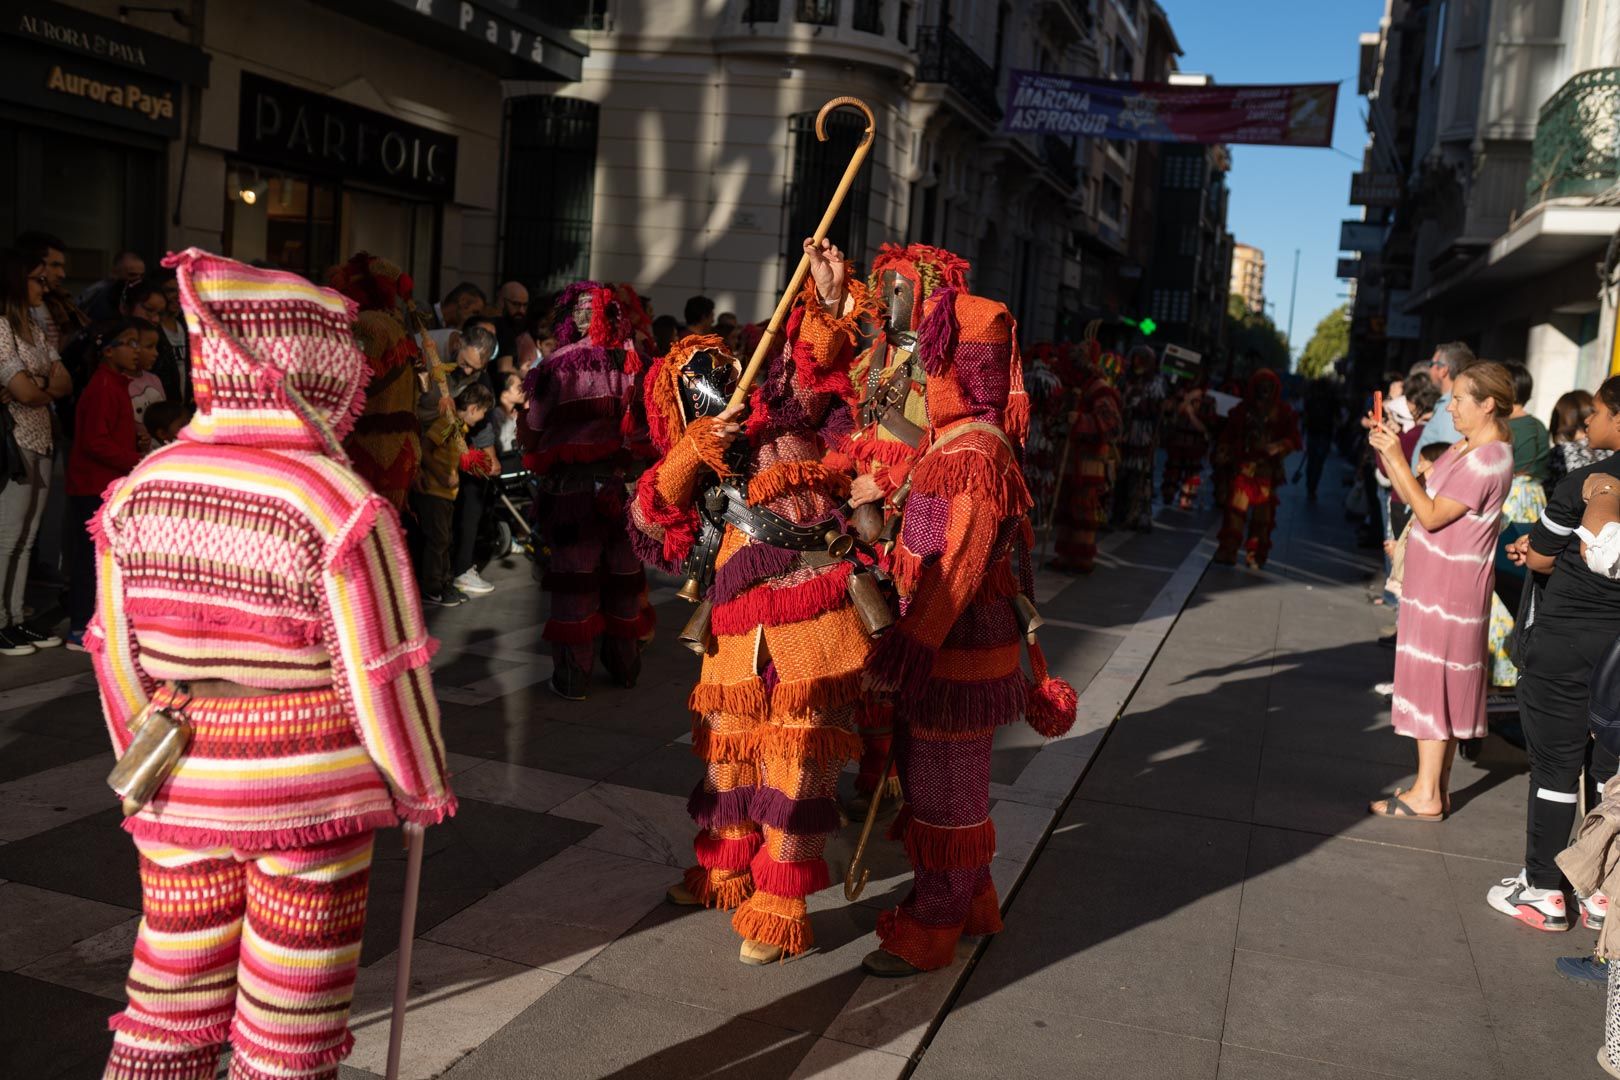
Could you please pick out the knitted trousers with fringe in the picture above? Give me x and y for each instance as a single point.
(597, 585)
(257, 948)
(950, 839)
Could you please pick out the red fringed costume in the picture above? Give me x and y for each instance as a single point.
(1259, 434)
(585, 436)
(879, 444)
(385, 445)
(953, 661)
(773, 710)
(1095, 418)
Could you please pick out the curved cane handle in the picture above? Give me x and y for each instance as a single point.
(854, 103)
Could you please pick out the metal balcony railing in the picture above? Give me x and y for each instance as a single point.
(1577, 139)
(942, 57)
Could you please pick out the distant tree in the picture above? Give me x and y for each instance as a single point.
(1252, 335)
(1330, 341)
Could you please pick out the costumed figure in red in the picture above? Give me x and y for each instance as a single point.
(953, 660)
(1142, 395)
(742, 508)
(887, 440)
(1186, 444)
(385, 446)
(1095, 418)
(1260, 433)
(1044, 375)
(585, 437)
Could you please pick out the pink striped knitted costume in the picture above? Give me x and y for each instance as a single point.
(250, 551)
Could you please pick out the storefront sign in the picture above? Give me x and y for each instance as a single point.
(60, 82)
(1375, 189)
(284, 125)
(1156, 112)
(1349, 268)
(477, 21)
(1361, 236)
(89, 37)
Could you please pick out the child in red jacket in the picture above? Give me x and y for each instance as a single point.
(106, 446)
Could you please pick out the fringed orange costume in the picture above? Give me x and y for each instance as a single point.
(890, 424)
(772, 714)
(953, 659)
(1095, 417)
(385, 445)
(1259, 434)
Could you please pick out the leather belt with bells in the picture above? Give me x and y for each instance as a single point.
(727, 503)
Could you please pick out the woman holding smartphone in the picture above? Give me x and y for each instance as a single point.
(1440, 657)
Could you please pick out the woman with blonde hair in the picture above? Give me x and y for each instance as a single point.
(1440, 661)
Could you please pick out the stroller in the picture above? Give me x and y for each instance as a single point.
(504, 526)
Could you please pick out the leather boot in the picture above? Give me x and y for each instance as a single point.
(679, 895)
(568, 681)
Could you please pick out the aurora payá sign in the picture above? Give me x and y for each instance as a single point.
(1281, 115)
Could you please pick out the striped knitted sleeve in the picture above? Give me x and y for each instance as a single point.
(110, 640)
(380, 651)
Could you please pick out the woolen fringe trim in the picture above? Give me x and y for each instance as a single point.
(717, 809)
(747, 567)
(792, 880)
(789, 477)
(581, 632)
(297, 1063)
(745, 698)
(820, 744)
(770, 605)
(643, 624)
(286, 837)
(902, 664)
(776, 809)
(818, 694)
(202, 1038)
(963, 707)
(726, 895)
(726, 853)
(978, 463)
(984, 917)
(926, 947)
(941, 847)
(775, 920)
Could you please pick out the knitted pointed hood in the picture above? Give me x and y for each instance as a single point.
(968, 345)
(273, 357)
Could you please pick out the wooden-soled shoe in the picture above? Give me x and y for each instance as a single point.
(679, 895)
(886, 965)
(757, 953)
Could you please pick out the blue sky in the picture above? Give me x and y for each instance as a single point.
(1287, 197)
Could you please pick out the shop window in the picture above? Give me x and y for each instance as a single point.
(288, 222)
(100, 196)
(551, 181)
(817, 168)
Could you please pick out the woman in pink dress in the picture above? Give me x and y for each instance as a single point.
(1440, 655)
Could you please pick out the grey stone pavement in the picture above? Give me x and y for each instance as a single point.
(1192, 888)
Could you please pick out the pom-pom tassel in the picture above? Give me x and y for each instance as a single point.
(1053, 704)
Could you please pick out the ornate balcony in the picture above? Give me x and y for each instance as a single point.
(942, 57)
(1577, 139)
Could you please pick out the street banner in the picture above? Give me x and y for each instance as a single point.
(1375, 189)
(1281, 115)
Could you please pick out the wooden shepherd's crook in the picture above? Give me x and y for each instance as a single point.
(774, 330)
(856, 877)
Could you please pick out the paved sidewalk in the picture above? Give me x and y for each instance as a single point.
(1213, 898)
(543, 947)
(1216, 902)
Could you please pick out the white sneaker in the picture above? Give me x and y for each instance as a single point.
(1594, 910)
(1541, 908)
(472, 584)
(1384, 689)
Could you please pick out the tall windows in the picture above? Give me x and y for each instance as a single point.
(551, 187)
(817, 168)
